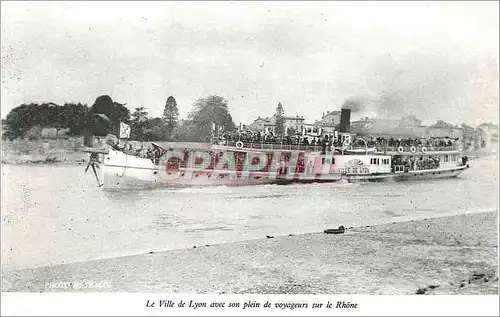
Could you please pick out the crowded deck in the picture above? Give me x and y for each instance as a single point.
(325, 143)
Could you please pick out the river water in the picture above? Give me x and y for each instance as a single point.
(56, 214)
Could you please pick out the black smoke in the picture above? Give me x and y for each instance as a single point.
(432, 86)
(354, 104)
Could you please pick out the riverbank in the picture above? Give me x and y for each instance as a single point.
(449, 255)
(70, 150)
(45, 151)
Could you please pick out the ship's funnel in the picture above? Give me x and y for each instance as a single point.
(345, 120)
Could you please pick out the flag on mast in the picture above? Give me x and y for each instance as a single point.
(124, 130)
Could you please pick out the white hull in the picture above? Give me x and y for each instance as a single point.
(411, 175)
(121, 171)
(431, 174)
(115, 178)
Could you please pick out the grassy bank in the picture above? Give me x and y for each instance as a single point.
(452, 255)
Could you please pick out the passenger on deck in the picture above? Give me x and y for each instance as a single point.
(130, 150)
(149, 153)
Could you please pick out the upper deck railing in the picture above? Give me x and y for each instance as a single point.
(270, 146)
(315, 148)
(412, 149)
(415, 149)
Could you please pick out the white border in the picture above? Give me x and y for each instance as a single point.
(134, 304)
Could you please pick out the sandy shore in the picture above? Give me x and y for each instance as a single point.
(451, 255)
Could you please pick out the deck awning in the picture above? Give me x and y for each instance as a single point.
(183, 145)
(155, 145)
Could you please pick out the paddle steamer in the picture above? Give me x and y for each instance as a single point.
(235, 163)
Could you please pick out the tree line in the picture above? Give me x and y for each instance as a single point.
(105, 115)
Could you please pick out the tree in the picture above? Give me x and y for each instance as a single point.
(184, 131)
(153, 133)
(139, 115)
(279, 120)
(209, 110)
(104, 105)
(139, 124)
(170, 116)
(79, 118)
(25, 117)
(74, 117)
(18, 121)
(121, 113)
(115, 111)
(156, 130)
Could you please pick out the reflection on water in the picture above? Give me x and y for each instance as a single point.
(56, 214)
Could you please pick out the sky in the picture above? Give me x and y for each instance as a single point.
(435, 60)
